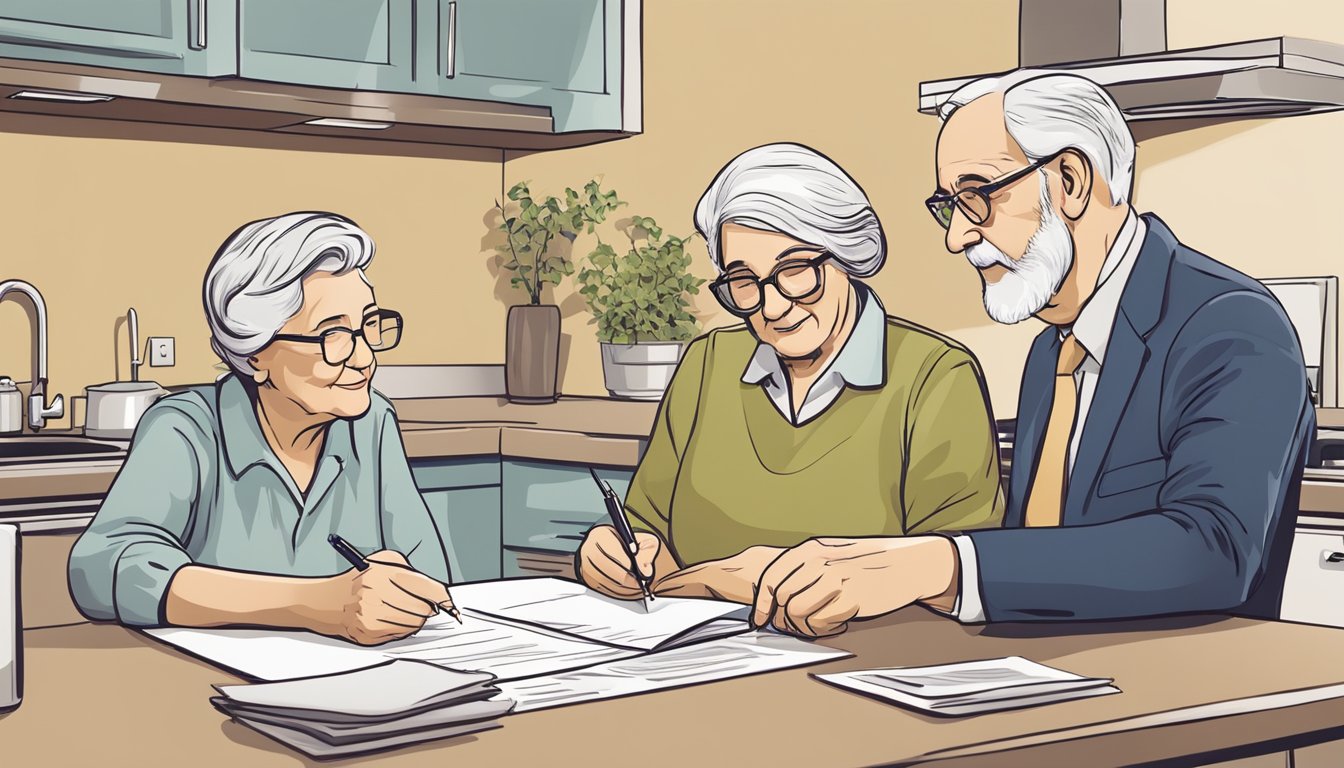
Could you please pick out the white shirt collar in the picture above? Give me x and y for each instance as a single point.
(1094, 323)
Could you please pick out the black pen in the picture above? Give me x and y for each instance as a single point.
(623, 531)
(361, 563)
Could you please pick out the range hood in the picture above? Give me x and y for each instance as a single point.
(1121, 44)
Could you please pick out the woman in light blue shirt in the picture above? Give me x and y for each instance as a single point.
(221, 513)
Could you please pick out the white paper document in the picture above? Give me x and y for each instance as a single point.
(573, 609)
(737, 656)
(972, 687)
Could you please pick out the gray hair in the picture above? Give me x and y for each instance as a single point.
(1046, 112)
(796, 191)
(254, 285)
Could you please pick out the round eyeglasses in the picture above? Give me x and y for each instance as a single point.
(743, 294)
(381, 330)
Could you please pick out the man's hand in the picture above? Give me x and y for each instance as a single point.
(819, 586)
(732, 578)
(603, 562)
(386, 601)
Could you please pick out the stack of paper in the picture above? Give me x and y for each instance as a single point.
(390, 705)
(973, 687)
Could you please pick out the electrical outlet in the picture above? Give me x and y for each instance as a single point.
(162, 352)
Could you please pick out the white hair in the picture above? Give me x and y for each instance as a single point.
(254, 285)
(796, 191)
(1028, 283)
(1046, 112)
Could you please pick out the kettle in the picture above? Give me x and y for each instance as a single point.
(113, 409)
(11, 407)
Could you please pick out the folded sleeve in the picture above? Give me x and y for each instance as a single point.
(122, 565)
(648, 503)
(1234, 418)
(951, 474)
(408, 526)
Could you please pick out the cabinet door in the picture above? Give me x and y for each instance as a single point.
(179, 37)
(364, 44)
(468, 520)
(549, 507)
(562, 54)
(1314, 584)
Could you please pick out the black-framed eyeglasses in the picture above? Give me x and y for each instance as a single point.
(381, 330)
(974, 201)
(742, 293)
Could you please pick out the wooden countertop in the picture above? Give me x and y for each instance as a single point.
(1199, 688)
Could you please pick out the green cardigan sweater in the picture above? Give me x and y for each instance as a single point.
(724, 470)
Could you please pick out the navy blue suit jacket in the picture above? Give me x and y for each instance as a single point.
(1183, 494)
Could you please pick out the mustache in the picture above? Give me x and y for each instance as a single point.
(983, 254)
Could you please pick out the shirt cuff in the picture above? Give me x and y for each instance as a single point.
(144, 571)
(968, 609)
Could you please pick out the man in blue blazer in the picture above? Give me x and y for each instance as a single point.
(1164, 415)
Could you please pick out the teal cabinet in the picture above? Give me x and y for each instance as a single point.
(178, 37)
(463, 496)
(578, 57)
(548, 507)
(355, 44)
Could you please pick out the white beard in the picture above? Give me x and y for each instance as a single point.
(1034, 279)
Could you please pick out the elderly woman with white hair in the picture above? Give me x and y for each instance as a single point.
(819, 416)
(222, 511)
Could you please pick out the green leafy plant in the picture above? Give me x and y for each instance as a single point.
(641, 295)
(531, 226)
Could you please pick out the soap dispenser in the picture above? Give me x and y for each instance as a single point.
(11, 407)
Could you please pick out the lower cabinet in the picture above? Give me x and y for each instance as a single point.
(463, 495)
(547, 509)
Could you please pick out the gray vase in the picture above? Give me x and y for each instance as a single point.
(640, 371)
(532, 353)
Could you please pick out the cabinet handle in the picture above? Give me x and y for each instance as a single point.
(451, 53)
(1335, 557)
(197, 42)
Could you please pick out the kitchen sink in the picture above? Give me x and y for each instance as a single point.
(57, 447)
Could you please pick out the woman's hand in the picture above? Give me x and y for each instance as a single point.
(387, 601)
(603, 562)
(732, 578)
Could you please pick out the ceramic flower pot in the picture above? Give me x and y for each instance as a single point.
(640, 371)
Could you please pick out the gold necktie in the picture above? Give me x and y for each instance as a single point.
(1045, 505)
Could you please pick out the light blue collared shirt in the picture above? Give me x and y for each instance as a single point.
(201, 486)
(861, 363)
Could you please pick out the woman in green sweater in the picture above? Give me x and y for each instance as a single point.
(821, 415)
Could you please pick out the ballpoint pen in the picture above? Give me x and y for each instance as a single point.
(361, 563)
(623, 531)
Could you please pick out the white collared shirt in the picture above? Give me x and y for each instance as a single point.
(1093, 328)
(861, 362)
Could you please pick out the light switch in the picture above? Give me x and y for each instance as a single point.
(162, 351)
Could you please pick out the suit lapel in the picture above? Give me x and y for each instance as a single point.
(1126, 354)
(1033, 410)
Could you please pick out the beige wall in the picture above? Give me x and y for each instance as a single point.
(100, 223)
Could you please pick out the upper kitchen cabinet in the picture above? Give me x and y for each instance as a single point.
(179, 37)
(354, 44)
(579, 58)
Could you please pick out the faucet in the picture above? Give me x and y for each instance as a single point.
(38, 408)
(134, 326)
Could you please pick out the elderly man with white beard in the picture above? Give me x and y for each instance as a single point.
(1164, 415)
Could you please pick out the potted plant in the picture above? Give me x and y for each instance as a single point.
(538, 234)
(639, 301)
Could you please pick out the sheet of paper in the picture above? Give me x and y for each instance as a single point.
(736, 656)
(388, 689)
(477, 645)
(571, 608)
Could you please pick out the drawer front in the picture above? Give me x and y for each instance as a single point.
(468, 521)
(523, 563)
(1313, 590)
(549, 506)
(440, 474)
